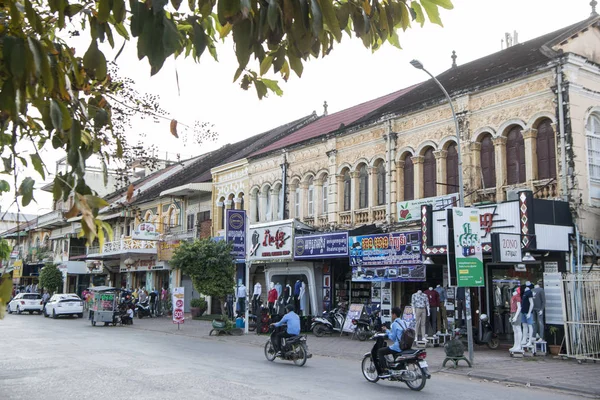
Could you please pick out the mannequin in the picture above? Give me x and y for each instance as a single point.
(526, 314)
(279, 289)
(539, 306)
(442, 319)
(297, 287)
(303, 299)
(420, 304)
(240, 296)
(272, 298)
(515, 319)
(434, 303)
(284, 299)
(256, 297)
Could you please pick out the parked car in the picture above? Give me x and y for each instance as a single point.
(64, 304)
(29, 302)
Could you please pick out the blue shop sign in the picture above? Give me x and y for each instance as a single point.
(328, 245)
(396, 248)
(235, 232)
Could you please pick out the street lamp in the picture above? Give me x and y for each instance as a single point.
(461, 194)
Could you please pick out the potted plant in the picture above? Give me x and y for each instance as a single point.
(554, 348)
(197, 307)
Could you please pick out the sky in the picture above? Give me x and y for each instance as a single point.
(349, 75)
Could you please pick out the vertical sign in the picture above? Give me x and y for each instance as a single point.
(178, 300)
(354, 312)
(235, 233)
(467, 247)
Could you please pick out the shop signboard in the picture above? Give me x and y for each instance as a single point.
(271, 242)
(235, 233)
(17, 269)
(467, 243)
(411, 210)
(329, 245)
(354, 312)
(401, 273)
(394, 248)
(145, 231)
(166, 248)
(408, 316)
(506, 248)
(178, 301)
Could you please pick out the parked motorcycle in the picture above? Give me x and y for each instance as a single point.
(143, 309)
(365, 327)
(409, 366)
(332, 321)
(292, 349)
(482, 335)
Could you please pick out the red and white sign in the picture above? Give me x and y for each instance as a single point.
(178, 301)
(271, 241)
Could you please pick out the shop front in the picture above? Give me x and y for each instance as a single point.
(386, 269)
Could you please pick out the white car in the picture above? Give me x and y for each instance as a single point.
(64, 304)
(29, 302)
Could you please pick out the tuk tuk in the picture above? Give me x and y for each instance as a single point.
(105, 305)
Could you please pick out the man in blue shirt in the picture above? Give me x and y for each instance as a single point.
(395, 334)
(293, 327)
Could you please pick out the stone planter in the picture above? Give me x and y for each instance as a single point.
(554, 349)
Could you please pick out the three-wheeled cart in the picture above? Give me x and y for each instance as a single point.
(105, 305)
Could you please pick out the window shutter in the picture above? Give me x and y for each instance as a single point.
(546, 151)
(452, 169)
(429, 174)
(409, 179)
(515, 156)
(488, 162)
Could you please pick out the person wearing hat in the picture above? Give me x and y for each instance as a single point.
(293, 327)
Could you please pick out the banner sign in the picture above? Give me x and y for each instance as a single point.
(235, 232)
(145, 231)
(166, 248)
(385, 249)
(321, 246)
(467, 247)
(271, 242)
(354, 312)
(178, 300)
(411, 210)
(408, 316)
(404, 273)
(506, 248)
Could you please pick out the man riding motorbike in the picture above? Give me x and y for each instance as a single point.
(293, 327)
(395, 334)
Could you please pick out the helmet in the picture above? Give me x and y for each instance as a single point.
(289, 308)
(484, 317)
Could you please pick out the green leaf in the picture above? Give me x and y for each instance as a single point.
(245, 7)
(273, 86)
(103, 10)
(171, 37)
(4, 186)
(158, 6)
(140, 15)
(121, 30)
(419, 16)
(261, 89)
(447, 4)
(199, 40)
(330, 19)
(238, 72)
(433, 11)
(100, 119)
(273, 14)
(56, 115)
(295, 63)
(404, 15)
(38, 164)
(242, 38)
(266, 64)
(227, 9)
(40, 55)
(95, 202)
(73, 9)
(176, 4)
(94, 62)
(118, 9)
(26, 191)
(317, 17)
(34, 19)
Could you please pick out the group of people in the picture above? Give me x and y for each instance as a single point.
(31, 288)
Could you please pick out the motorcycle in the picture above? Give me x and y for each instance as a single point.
(143, 309)
(409, 366)
(292, 349)
(332, 321)
(482, 335)
(365, 327)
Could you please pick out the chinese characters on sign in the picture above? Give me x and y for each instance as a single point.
(467, 246)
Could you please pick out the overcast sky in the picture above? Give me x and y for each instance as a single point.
(350, 75)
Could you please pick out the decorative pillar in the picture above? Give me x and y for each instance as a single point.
(292, 200)
(418, 168)
(440, 164)
(372, 196)
(354, 192)
(262, 210)
(475, 178)
(338, 207)
(304, 200)
(501, 173)
(530, 139)
(318, 198)
(237, 203)
(274, 204)
(220, 211)
(252, 207)
(399, 180)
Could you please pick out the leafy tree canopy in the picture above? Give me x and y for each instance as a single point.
(51, 97)
(51, 278)
(210, 265)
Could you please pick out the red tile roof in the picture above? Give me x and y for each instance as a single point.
(332, 122)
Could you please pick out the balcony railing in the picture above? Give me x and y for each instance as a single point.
(485, 195)
(77, 251)
(309, 221)
(346, 217)
(361, 216)
(323, 221)
(180, 233)
(545, 189)
(379, 213)
(123, 246)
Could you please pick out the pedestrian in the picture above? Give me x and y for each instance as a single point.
(143, 295)
(153, 297)
(45, 297)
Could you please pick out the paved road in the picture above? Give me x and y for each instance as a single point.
(69, 359)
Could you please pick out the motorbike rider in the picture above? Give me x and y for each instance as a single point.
(395, 334)
(293, 327)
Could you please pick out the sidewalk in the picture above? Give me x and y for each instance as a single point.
(493, 365)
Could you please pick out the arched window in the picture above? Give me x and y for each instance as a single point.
(488, 162)
(257, 206)
(592, 131)
(280, 203)
(429, 174)
(311, 197)
(297, 203)
(452, 169)
(173, 217)
(363, 187)
(515, 157)
(347, 190)
(325, 194)
(546, 150)
(380, 184)
(409, 178)
(241, 197)
(268, 205)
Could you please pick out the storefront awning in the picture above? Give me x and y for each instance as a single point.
(189, 189)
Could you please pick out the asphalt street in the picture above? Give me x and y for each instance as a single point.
(42, 358)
